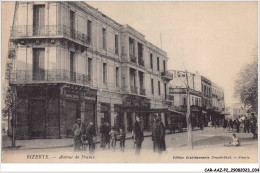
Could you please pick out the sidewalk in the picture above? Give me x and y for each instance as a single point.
(48, 143)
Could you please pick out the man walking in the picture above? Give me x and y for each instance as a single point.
(138, 135)
(77, 134)
(91, 135)
(253, 125)
(158, 135)
(237, 125)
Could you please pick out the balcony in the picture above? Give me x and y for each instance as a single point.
(167, 75)
(48, 76)
(29, 31)
(132, 58)
(142, 91)
(133, 90)
(141, 61)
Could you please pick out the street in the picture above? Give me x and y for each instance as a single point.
(207, 143)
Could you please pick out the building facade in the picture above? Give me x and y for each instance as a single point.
(206, 97)
(72, 61)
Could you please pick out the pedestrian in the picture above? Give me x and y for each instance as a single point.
(158, 135)
(155, 134)
(112, 135)
(122, 136)
(231, 124)
(138, 135)
(91, 136)
(162, 136)
(247, 124)
(253, 125)
(102, 135)
(235, 141)
(107, 137)
(77, 134)
(237, 124)
(225, 124)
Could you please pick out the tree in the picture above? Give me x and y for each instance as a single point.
(246, 85)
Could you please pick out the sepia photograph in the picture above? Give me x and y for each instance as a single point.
(129, 82)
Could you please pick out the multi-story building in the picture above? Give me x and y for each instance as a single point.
(72, 61)
(218, 104)
(206, 98)
(205, 104)
(179, 93)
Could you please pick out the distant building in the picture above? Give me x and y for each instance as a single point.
(206, 98)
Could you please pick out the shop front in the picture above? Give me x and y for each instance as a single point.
(49, 111)
(134, 106)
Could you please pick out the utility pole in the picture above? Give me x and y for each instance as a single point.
(188, 115)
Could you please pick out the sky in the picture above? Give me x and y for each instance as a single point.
(213, 38)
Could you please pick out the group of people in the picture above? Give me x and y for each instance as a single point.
(249, 124)
(110, 136)
(83, 135)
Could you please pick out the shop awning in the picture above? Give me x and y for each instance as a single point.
(177, 112)
(165, 110)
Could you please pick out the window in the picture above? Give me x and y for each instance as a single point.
(89, 30)
(104, 38)
(152, 86)
(132, 50)
(117, 76)
(72, 24)
(164, 66)
(90, 68)
(159, 88)
(140, 54)
(72, 67)
(196, 101)
(116, 44)
(72, 62)
(165, 91)
(104, 73)
(184, 101)
(158, 64)
(151, 61)
(38, 64)
(38, 19)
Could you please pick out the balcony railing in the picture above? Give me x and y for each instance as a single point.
(48, 76)
(132, 58)
(133, 90)
(141, 61)
(168, 75)
(25, 31)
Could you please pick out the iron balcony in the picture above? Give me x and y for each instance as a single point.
(49, 31)
(167, 75)
(48, 76)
